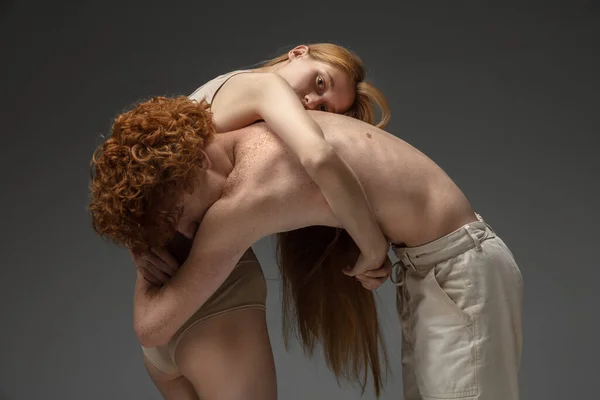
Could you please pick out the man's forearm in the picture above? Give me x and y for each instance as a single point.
(227, 230)
(160, 311)
(146, 298)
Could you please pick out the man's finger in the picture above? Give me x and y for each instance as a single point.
(135, 257)
(149, 276)
(149, 270)
(163, 277)
(158, 263)
(153, 281)
(167, 257)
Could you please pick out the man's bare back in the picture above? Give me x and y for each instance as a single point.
(254, 187)
(413, 199)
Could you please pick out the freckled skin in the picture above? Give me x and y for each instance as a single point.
(402, 183)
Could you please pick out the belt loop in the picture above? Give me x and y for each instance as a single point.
(473, 237)
(408, 262)
(486, 224)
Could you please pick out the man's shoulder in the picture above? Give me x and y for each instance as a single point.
(263, 168)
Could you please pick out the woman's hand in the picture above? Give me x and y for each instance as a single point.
(156, 266)
(374, 278)
(373, 256)
(247, 98)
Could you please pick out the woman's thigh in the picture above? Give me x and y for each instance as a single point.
(229, 357)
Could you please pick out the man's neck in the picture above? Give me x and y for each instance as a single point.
(220, 153)
(210, 184)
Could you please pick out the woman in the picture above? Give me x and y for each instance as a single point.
(322, 77)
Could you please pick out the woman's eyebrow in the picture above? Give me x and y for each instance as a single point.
(330, 79)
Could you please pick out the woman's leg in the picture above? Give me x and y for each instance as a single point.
(229, 357)
(171, 387)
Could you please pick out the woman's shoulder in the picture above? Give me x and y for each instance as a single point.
(208, 90)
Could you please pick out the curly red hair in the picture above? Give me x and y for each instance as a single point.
(140, 172)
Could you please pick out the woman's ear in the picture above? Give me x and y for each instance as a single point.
(205, 161)
(298, 52)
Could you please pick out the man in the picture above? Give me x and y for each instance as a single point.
(460, 290)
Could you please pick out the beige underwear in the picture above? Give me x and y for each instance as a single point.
(245, 288)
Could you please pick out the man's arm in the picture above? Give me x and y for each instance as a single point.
(227, 230)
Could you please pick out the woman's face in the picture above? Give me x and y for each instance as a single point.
(319, 85)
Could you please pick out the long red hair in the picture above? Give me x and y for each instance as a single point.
(322, 305)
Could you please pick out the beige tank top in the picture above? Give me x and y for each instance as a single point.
(209, 90)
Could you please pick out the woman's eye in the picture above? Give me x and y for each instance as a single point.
(320, 83)
(322, 108)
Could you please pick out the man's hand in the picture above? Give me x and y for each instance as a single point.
(374, 278)
(156, 266)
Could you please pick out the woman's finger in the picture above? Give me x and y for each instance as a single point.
(359, 267)
(383, 272)
(370, 283)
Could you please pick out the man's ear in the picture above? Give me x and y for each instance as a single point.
(298, 52)
(204, 160)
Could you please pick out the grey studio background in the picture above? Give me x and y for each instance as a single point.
(504, 98)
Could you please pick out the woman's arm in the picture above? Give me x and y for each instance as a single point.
(249, 97)
(227, 230)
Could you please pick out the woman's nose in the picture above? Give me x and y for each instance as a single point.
(309, 102)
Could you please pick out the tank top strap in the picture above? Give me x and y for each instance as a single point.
(210, 88)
